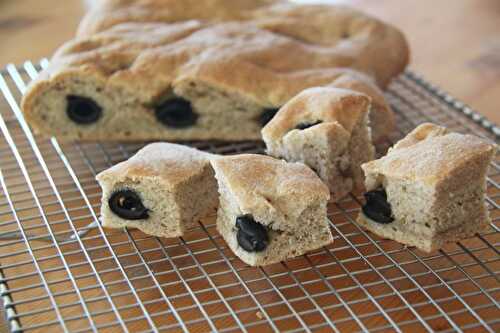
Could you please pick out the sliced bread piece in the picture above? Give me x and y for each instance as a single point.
(429, 189)
(326, 129)
(163, 190)
(270, 210)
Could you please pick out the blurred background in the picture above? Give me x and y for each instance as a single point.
(455, 43)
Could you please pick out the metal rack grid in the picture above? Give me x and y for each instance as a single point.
(114, 280)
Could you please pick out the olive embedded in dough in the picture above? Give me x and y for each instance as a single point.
(128, 205)
(82, 110)
(377, 208)
(252, 236)
(176, 113)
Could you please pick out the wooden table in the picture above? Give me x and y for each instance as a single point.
(454, 43)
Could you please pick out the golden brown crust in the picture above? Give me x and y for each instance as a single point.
(108, 13)
(337, 37)
(172, 163)
(430, 155)
(420, 133)
(256, 180)
(328, 105)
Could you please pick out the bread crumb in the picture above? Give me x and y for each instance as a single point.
(259, 314)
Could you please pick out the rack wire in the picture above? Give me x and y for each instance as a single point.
(124, 280)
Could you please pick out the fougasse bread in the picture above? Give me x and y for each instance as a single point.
(207, 69)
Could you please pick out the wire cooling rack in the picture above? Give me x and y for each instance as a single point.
(124, 280)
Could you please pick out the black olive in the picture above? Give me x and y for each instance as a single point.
(82, 110)
(176, 112)
(303, 126)
(267, 115)
(251, 236)
(128, 205)
(377, 208)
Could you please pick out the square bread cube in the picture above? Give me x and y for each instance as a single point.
(162, 190)
(270, 210)
(429, 189)
(327, 129)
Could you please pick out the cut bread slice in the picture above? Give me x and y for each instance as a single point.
(270, 210)
(429, 190)
(326, 129)
(163, 190)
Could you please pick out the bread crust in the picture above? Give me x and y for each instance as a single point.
(352, 34)
(260, 183)
(133, 54)
(318, 104)
(171, 163)
(431, 155)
